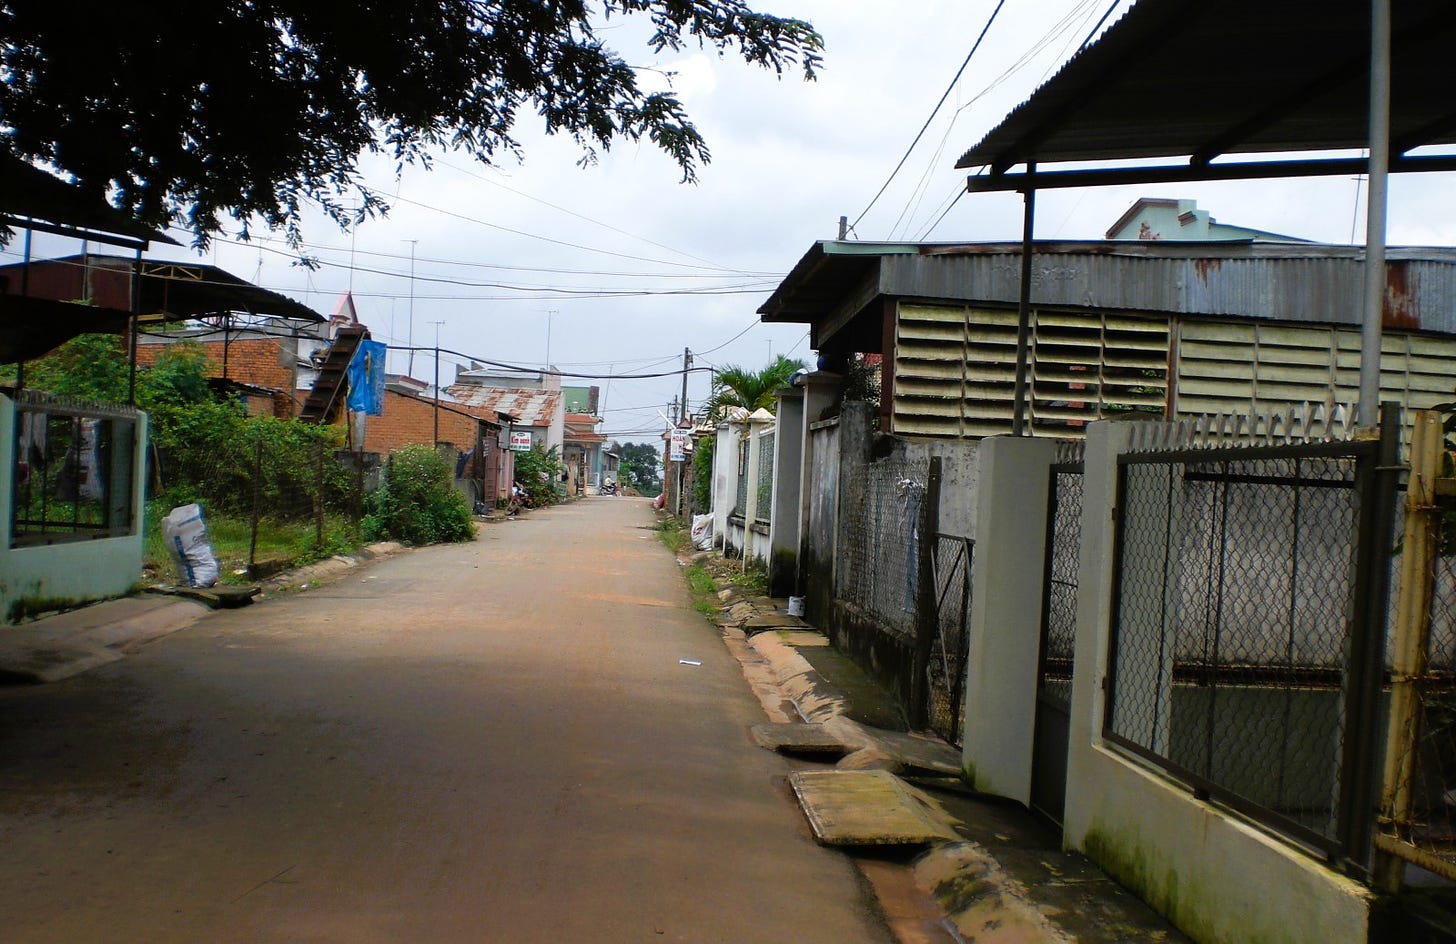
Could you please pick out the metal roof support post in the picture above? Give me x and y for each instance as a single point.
(131, 333)
(1375, 213)
(1023, 305)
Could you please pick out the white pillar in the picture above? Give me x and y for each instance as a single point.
(1006, 612)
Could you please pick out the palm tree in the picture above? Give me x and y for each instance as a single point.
(751, 390)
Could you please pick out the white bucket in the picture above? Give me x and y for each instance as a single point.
(796, 606)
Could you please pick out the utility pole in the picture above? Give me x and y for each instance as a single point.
(411, 340)
(550, 314)
(687, 362)
(437, 381)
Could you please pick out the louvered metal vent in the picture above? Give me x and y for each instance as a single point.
(1241, 368)
(955, 370)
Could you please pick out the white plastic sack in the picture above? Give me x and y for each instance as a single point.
(703, 532)
(186, 536)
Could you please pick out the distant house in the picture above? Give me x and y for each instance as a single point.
(1160, 218)
(582, 444)
(535, 400)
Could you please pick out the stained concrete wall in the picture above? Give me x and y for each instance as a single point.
(1005, 617)
(72, 570)
(1217, 877)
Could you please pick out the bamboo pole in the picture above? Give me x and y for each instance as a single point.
(1409, 643)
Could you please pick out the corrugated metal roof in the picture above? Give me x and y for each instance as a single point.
(1176, 78)
(1300, 283)
(529, 407)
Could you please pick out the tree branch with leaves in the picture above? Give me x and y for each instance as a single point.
(190, 113)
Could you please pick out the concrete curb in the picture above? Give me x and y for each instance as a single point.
(968, 893)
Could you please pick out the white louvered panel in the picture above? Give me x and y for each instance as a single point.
(1236, 368)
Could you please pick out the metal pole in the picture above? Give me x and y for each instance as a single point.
(1375, 211)
(131, 340)
(1359, 794)
(687, 362)
(1023, 308)
(927, 623)
(437, 382)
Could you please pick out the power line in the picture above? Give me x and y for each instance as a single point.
(594, 222)
(555, 242)
(933, 112)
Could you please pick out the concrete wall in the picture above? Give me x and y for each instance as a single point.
(1005, 616)
(1217, 877)
(786, 526)
(76, 571)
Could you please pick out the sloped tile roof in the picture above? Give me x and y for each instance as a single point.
(529, 407)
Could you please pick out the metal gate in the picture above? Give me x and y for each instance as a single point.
(951, 566)
(1058, 635)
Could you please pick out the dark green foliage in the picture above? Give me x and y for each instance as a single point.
(749, 389)
(539, 470)
(184, 111)
(417, 501)
(703, 474)
(91, 367)
(641, 466)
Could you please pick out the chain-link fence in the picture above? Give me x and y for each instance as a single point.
(740, 500)
(947, 666)
(1059, 612)
(763, 511)
(878, 567)
(1231, 663)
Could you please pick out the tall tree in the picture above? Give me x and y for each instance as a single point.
(188, 111)
(751, 389)
(641, 460)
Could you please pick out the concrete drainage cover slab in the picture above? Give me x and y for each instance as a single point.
(801, 739)
(865, 808)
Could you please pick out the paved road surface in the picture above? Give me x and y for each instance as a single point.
(487, 742)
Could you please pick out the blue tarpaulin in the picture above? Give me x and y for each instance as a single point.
(366, 378)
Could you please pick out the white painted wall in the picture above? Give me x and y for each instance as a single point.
(1218, 878)
(74, 570)
(1005, 616)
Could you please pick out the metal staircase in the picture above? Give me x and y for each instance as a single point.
(330, 389)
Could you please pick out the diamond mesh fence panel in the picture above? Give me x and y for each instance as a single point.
(1233, 620)
(1060, 612)
(764, 511)
(947, 667)
(878, 543)
(740, 501)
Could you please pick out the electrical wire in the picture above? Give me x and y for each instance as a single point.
(931, 117)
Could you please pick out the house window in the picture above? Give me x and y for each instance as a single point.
(73, 473)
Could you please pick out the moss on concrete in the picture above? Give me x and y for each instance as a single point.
(1124, 856)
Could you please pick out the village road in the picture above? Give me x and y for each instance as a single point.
(486, 742)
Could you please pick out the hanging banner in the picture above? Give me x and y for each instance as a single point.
(366, 378)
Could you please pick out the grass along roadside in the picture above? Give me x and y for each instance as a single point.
(707, 572)
(282, 545)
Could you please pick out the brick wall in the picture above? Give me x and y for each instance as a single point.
(259, 361)
(409, 420)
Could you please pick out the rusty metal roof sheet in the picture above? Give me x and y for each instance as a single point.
(528, 407)
(1178, 78)
(1244, 279)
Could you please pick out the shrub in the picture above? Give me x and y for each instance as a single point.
(417, 502)
(538, 470)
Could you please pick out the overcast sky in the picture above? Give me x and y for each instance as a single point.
(506, 256)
